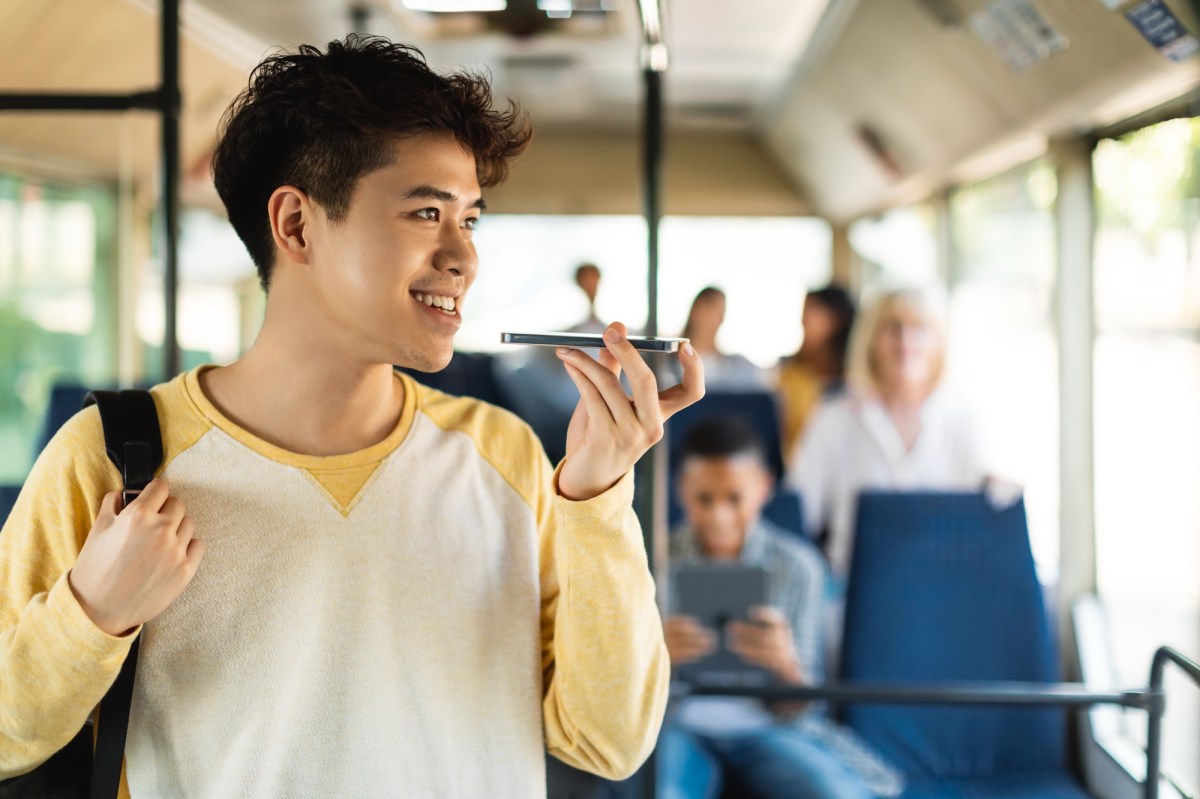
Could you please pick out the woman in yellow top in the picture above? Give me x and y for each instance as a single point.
(819, 366)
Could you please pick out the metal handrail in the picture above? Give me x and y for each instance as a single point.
(1158, 709)
(1152, 699)
(963, 693)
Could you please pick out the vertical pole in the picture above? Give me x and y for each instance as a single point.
(1075, 221)
(360, 19)
(652, 505)
(170, 96)
(947, 252)
(845, 267)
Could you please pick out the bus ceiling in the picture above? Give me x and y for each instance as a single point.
(839, 108)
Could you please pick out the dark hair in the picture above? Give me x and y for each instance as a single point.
(726, 436)
(837, 301)
(320, 121)
(588, 267)
(705, 294)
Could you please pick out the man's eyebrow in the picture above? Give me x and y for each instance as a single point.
(427, 192)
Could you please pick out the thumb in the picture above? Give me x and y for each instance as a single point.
(110, 506)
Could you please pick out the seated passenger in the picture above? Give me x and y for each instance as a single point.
(766, 751)
(722, 372)
(818, 369)
(894, 429)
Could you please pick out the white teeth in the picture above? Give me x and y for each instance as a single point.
(445, 303)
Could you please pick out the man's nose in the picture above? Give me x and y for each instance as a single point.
(456, 254)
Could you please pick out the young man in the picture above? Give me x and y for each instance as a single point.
(782, 753)
(347, 584)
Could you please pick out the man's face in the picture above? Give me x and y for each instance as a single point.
(723, 498)
(395, 270)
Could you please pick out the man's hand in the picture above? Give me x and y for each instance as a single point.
(136, 561)
(767, 641)
(610, 430)
(687, 640)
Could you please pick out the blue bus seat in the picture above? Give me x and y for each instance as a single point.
(759, 408)
(66, 399)
(8, 497)
(469, 374)
(941, 589)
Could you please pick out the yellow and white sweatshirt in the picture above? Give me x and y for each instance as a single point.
(419, 618)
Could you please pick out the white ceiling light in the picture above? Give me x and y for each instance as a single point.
(454, 6)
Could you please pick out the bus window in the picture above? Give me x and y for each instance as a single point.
(57, 253)
(1147, 357)
(764, 264)
(1002, 347)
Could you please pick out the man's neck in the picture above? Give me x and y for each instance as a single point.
(304, 397)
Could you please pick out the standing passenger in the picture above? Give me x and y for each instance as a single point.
(896, 429)
(587, 278)
(398, 594)
(818, 370)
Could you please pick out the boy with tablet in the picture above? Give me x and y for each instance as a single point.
(724, 483)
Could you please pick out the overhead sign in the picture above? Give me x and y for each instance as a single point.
(1159, 26)
(1017, 32)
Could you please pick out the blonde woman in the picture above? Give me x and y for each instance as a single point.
(896, 428)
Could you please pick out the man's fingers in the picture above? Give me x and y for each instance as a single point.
(195, 553)
(153, 496)
(641, 376)
(609, 362)
(110, 506)
(605, 382)
(690, 389)
(187, 529)
(597, 408)
(173, 509)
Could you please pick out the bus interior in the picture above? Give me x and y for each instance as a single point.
(1033, 164)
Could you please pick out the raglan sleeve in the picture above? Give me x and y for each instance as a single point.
(605, 666)
(55, 664)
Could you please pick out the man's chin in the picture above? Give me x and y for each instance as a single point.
(428, 361)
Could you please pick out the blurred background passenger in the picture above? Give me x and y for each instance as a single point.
(895, 428)
(818, 369)
(722, 372)
(707, 742)
(587, 277)
(536, 383)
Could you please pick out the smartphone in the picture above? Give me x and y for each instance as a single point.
(585, 340)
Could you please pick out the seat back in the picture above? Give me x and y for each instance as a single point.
(65, 401)
(8, 498)
(941, 589)
(469, 374)
(758, 408)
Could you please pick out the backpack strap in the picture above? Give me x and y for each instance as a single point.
(133, 440)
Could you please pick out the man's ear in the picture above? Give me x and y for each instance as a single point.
(290, 211)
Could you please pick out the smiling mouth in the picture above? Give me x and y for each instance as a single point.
(441, 302)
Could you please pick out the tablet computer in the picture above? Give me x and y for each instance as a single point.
(715, 594)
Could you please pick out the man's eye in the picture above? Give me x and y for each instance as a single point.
(471, 223)
(428, 213)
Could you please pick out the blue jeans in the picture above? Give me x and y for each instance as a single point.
(773, 763)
